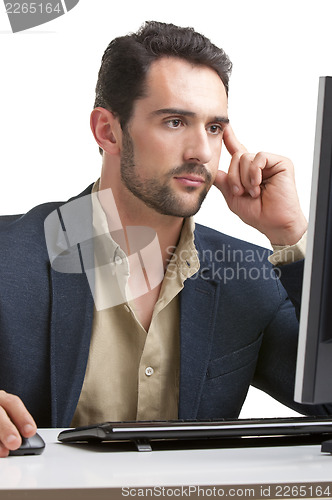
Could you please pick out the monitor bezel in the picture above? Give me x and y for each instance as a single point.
(314, 358)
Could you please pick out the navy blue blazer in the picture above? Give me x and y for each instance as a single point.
(238, 325)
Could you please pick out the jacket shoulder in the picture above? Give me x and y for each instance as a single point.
(34, 218)
(22, 237)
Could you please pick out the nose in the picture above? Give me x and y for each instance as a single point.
(198, 148)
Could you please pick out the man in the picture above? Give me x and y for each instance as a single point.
(189, 328)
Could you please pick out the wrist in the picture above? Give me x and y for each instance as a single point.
(288, 236)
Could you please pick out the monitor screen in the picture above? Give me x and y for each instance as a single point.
(313, 382)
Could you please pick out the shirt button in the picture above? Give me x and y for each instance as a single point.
(118, 260)
(149, 371)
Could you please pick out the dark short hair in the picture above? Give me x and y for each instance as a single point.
(127, 60)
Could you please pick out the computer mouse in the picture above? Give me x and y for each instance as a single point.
(30, 446)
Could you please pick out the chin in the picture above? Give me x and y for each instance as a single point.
(180, 209)
(191, 207)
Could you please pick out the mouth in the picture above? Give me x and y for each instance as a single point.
(190, 180)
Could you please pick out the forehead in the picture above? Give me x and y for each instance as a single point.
(175, 83)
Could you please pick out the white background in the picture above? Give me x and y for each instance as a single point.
(48, 74)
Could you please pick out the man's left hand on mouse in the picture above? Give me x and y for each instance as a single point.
(261, 190)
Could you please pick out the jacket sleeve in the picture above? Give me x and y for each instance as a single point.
(275, 372)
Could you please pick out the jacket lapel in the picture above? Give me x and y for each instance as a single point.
(198, 300)
(71, 325)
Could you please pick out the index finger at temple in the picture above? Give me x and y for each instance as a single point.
(232, 143)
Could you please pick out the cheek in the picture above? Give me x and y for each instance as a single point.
(217, 146)
(152, 149)
(216, 152)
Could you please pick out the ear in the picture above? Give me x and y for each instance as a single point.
(107, 130)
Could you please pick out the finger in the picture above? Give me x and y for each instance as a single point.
(233, 145)
(221, 182)
(9, 436)
(4, 452)
(234, 177)
(255, 171)
(18, 414)
(251, 168)
(270, 164)
(14, 420)
(254, 174)
(239, 177)
(263, 167)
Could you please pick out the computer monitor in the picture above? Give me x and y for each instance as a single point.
(313, 382)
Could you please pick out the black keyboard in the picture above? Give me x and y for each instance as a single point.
(264, 431)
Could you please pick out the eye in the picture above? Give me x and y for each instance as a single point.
(215, 129)
(174, 123)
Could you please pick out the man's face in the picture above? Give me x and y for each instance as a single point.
(171, 147)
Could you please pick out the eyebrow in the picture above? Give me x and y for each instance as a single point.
(184, 112)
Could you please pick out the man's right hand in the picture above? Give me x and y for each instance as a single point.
(15, 420)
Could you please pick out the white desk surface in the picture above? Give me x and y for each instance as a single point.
(64, 466)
